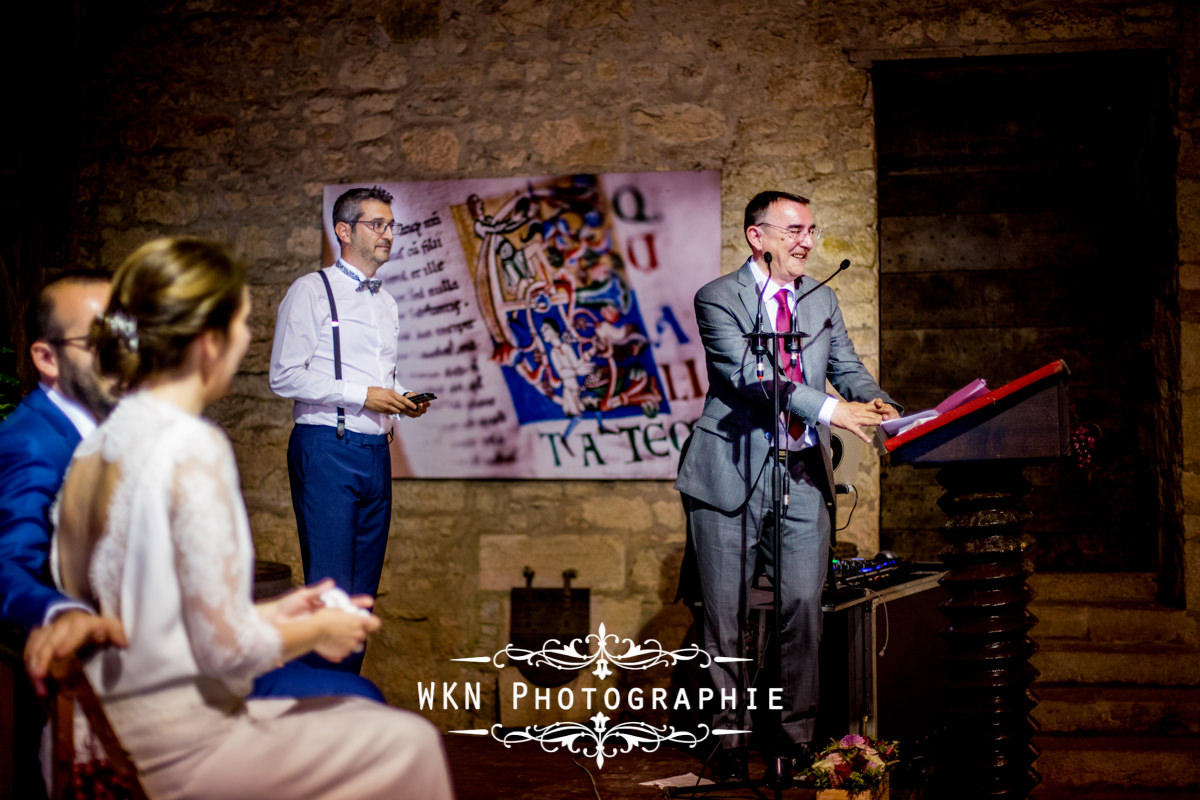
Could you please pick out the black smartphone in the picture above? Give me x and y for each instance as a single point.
(423, 397)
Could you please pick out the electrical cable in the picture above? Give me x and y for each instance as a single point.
(850, 516)
(586, 771)
(887, 628)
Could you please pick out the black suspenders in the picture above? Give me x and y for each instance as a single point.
(337, 351)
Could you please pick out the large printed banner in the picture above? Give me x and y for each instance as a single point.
(553, 319)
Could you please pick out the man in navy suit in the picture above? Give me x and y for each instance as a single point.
(725, 470)
(36, 442)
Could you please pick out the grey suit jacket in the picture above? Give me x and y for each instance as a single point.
(728, 450)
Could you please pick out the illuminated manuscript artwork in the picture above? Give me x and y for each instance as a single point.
(552, 317)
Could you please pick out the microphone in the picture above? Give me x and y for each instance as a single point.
(792, 343)
(843, 266)
(757, 344)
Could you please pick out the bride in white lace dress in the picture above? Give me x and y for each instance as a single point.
(153, 531)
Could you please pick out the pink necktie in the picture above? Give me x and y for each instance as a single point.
(783, 324)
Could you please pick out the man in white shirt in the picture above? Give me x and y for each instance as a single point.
(342, 379)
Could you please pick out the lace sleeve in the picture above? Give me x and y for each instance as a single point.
(213, 557)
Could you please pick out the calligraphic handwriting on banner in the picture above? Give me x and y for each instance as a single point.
(667, 319)
(640, 252)
(630, 205)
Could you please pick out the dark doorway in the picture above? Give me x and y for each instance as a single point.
(1026, 213)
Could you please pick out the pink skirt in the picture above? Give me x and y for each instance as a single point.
(189, 744)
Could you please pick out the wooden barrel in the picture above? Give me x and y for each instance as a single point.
(271, 578)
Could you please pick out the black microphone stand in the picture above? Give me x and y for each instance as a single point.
(779, 774)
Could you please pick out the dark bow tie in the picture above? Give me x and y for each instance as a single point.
(371, 285)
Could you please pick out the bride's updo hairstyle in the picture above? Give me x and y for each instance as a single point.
(165, 295)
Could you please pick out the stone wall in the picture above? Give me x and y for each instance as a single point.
(225, 119)
(1187, 578)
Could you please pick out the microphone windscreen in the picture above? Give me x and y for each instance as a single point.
(845, 264)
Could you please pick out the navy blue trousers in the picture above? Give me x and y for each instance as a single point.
(342, 496)
(297, 679)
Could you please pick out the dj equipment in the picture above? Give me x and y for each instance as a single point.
(884, 569)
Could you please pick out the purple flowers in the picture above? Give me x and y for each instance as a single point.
(854, 763)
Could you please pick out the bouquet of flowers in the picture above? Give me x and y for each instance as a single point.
(853, 764)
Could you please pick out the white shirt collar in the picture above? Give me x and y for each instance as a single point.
(768, 296)
(79, 416)
(760, 278)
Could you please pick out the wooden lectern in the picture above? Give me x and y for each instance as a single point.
(981, 448)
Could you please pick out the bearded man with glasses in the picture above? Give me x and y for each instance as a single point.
(38, 438)
(346, 397)
(36, 443)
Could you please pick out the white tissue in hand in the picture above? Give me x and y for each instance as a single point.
(337, 598)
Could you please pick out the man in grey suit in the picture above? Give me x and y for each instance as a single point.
(725, 475)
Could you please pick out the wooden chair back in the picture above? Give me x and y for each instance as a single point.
(68, 685)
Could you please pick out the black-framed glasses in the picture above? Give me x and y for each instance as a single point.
(78, 341)
(378, 225)
(795, 234)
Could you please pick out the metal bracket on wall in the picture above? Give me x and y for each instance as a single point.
(540, 616)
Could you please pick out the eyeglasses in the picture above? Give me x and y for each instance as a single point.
(378, 225)
(795, 234)
(78, 341)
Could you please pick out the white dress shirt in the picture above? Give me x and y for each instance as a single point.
(85, 423)
(770, 308)
(302, 355)
(79, 416)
